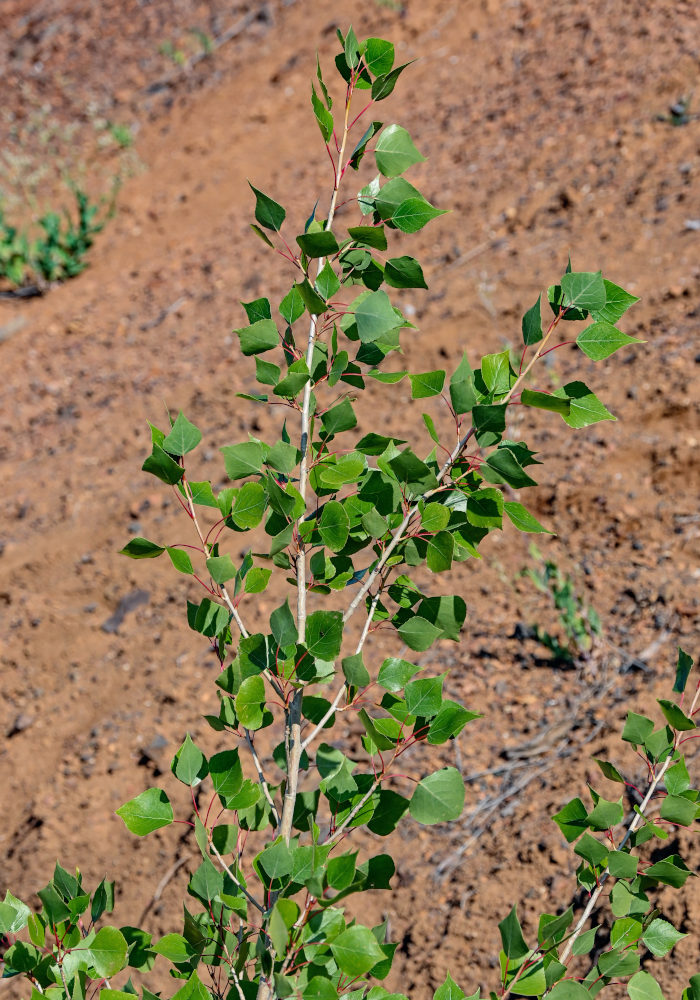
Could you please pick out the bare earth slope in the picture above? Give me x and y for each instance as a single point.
(541, 126)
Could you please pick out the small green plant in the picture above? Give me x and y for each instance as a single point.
(679, 112)
(14, 253)
(122, 134)
(60, 252)
(578, 621)
(351, 534)
(172, 52)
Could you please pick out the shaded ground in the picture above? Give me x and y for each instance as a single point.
(540, 123)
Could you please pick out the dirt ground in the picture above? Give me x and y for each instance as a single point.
(546, 131)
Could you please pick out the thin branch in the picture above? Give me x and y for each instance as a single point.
(236, 882)
(261, 777)
(336, 701)
(354, 811)
(293, 713)
(454, 455)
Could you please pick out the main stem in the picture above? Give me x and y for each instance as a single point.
(293, 742)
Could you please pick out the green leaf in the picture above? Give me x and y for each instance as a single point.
(375, 444)
(496, 372)
(384, 84)
(676, 809)
(149, 811)
(605, 815)
(320, 988)
(324, 634)
(440, 551)
(591, 850)
(583, 290)
(356, 951)
(435, 517)
(283, 625)
(357, 156)
(617, 302)
(572, 819)
(249, 702)
(404, 272)
(424, 696)
(355, 671)
(375, 316)
(334, 526)
(180, 560)
(683, 668)
(677, 779)
(258, 232)
(427, 384)
(585, 409)
(462, 389)
(226, 773)
(671, 871)
(292, 305)
(249, 506)
(660, 937)
(368, 236)
(545, 401)
(523, 519)
(449, 722)
(409, 469)
(183, 437)
(276, 860)
(489, 423)
(189, 763)
(447, 613)
(268, 213)
(160, 464)
(675, 716)
(258, 337)
(266, 372)
(14, 914)
(202, 494)
(175, 948)
(209, 618)
(532, 324)
(609, 770)
(257, 309)
(322, 115)
(294, 381)
(438, 798)
(207, 882)
(568, 989)
(418, 633)
(643, 986)
(327, 283)
(394, 674)
(141, 548)
(339, 418)
(321, 244)
(257, 580)
(449, 990)
(512, 938)
(507, 468)
(414, 213)
(221, 568)
(395, 152)
(378, 56)
(243, 460)
(312, 300)
(601, 339)
(107, 951)
(637, 728)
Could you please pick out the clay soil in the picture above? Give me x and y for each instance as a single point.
(545, 131)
